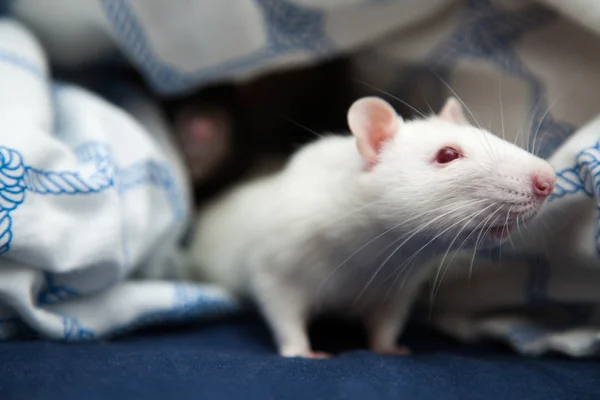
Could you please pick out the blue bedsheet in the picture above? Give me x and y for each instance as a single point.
(234, 359)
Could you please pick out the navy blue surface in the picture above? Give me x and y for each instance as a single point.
(235, 359)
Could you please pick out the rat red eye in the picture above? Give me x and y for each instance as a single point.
(446, 155)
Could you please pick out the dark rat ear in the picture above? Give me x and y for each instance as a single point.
(453, 112)
(372, 121)
(204, 137)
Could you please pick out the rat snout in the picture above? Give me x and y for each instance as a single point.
(543, 184)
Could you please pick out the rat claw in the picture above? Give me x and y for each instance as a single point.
(318, 355)
(394, 351)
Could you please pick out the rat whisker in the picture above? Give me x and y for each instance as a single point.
(544, 136)
(525, 225)
(519, 227)
(440, 267)
(486, 234)
(485, 144)
(374, 275)
(298, 124)
(412, 234)
(444, 231)
(526, 130)
(470, 204)
(459, 249)
(477, 242)
(451, 246)
(412, 258)
(461, 101)
(425, 226)
(421, 113)
(462, 245)
(427, 102)
(502, 236)
(496, 150)
(501, 108)
(528, 127)
(455, 94)
(533, 150)
(509, 235)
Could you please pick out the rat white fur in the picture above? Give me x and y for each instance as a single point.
(348, 225)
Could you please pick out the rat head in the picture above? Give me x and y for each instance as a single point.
(443, 176)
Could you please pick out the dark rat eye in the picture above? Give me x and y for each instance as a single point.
(446, 155)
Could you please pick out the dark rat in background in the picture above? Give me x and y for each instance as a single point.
(354, 224)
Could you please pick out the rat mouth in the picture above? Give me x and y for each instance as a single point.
(498, 232)
(495, 233)
(503, 231)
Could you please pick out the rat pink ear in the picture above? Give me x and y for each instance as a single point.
(453, 112)
(372, 121)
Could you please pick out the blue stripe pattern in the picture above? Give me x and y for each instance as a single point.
(583, 177)
(489, 32)
(16, 179)
(21, 63)
(291, 28)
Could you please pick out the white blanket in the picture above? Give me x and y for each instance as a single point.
(70, 159)
(87, 195)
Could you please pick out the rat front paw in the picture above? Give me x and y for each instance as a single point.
(394, 351)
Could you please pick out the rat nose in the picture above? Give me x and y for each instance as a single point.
(543, 185)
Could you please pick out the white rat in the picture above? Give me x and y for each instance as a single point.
(352, 223)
